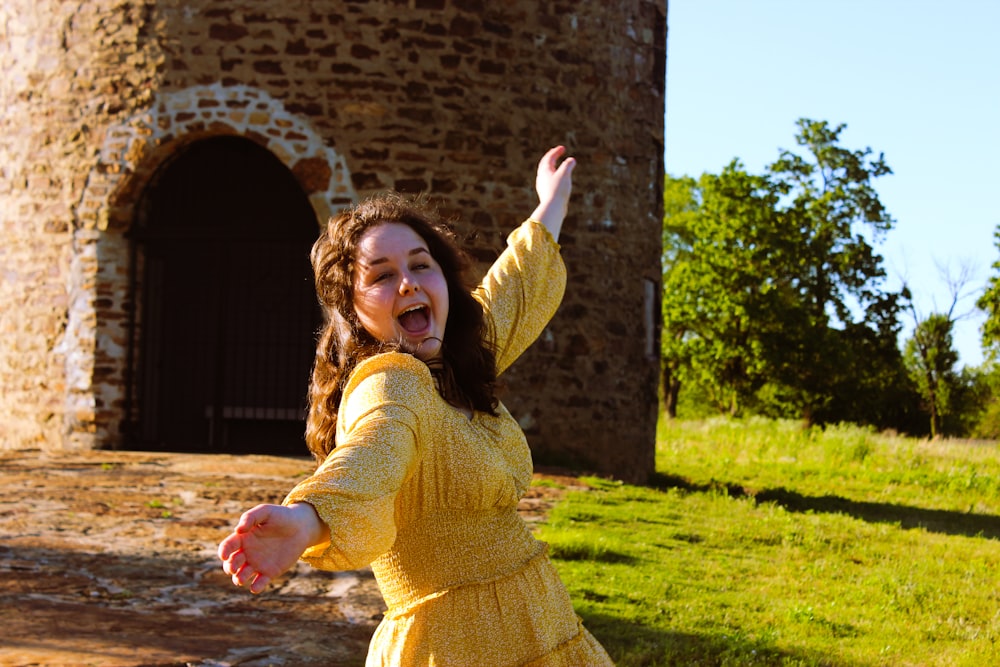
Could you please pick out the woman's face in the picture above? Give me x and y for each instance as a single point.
(400, 292)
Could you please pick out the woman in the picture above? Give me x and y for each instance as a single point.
(421, 466)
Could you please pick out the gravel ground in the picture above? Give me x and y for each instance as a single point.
(108, 558)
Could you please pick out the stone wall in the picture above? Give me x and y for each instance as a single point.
(454, 98)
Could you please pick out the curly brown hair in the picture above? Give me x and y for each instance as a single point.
(466, 376)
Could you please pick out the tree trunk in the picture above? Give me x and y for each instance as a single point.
(671, 389)
(807, 417)
(935, 417)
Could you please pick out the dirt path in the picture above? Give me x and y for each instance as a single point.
(108, 558)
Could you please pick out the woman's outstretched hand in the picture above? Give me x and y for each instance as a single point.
(268, 541)
(554, 183)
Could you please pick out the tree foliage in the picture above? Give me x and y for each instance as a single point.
(773, 295)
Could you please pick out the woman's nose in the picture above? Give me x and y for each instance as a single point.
(408, 284)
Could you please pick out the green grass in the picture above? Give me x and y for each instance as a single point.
(761, 543)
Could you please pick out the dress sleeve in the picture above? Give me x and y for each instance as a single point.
(378, 435)
(522, 290)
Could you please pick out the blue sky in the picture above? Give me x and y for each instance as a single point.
(917, 80)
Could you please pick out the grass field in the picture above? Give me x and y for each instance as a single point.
(762, 543)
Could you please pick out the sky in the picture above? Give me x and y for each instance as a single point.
(917, 80)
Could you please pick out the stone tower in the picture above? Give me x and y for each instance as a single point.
(164, 165)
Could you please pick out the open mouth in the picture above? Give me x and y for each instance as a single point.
(414, 319)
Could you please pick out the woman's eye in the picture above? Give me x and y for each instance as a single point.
(382, 277)
(421, 267)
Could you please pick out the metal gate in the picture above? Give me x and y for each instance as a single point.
(225, 334)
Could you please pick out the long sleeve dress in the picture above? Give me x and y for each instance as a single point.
(428, 497)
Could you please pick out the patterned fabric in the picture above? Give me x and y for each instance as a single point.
(428, 497)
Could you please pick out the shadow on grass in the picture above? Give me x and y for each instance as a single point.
(633, 645)
(935, 521)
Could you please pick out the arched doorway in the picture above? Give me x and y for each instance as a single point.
(224, 338)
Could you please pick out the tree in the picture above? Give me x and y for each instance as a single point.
(679, 206)
(717, 268)
(930, 357)
(838, 217)
(771, 281)
(990, 302)
(976, 393)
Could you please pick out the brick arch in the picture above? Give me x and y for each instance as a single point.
(95, 345)
(133, 149)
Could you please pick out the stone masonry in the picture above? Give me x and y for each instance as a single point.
(456, 99)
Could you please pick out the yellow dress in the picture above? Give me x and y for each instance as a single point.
(428, 497)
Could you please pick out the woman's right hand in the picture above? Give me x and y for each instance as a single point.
(267, 541)
(554, 184)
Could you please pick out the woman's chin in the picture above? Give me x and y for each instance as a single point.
(428, 349)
